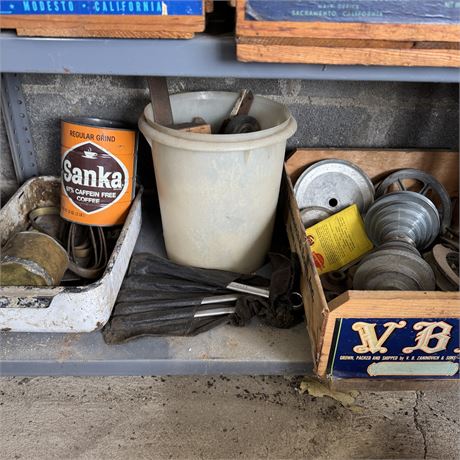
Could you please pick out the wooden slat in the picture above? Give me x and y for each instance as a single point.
(315, 303)
(105, 26)
(377, 163)
(340, 30)
(250, 52)
(346, 43)
(198, 129)
(393, 384)
(76, 33)
(379, 304)
(208, 6)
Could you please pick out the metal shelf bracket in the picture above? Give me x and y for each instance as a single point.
(18, 127)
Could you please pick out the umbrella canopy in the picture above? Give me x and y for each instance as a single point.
(159, 297)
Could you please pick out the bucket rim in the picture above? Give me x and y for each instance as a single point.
(207, 142)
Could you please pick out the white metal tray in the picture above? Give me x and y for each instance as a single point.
(61, 309)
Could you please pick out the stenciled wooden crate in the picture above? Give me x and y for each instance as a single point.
(352, 319)
(110, 19)
(281, 36)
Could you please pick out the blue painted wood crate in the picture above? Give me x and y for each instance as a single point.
(364, 11)
(104, 18)
(422, 33)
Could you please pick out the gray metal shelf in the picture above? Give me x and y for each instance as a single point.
(253, 349)
(203, 56)
(250, 350)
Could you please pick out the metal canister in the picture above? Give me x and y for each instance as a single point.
(98, 171)
(32, 259)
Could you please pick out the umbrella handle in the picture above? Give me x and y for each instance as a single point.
(246, 289)
(214, 312)
(296, 297)
(219, 299)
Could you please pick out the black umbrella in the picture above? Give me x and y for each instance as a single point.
(159, 297)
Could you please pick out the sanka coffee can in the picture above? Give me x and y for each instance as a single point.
(98, 163)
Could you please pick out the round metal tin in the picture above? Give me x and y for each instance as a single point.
(98, 170)
(334, 185)
(313, 215)
(32, 258)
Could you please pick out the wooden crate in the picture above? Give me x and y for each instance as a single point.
(330, 325)
(117, 19)
(395, 44)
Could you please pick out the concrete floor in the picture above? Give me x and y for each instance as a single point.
(220, 417)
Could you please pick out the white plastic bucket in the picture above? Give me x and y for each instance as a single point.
(218, 193)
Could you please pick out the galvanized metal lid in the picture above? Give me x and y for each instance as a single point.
(334, 185)
(314, 214)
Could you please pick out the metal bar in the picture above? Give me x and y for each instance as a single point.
(159, 97)
(215, 312)
(243, 103)
(246, 289)
(18, 128)
(219, 299)
(203, 56)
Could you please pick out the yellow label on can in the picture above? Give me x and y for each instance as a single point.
(338, 240)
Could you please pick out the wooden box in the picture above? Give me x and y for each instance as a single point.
(111, 18)
(336, 328)
(289, 31)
